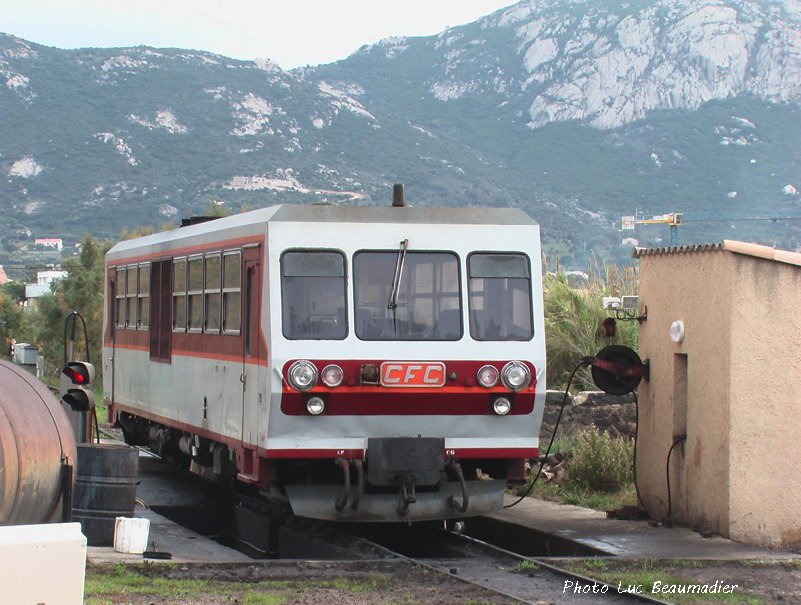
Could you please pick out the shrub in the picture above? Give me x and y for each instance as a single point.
(574, 322)
(601, 462)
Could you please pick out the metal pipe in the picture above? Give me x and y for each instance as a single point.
(398, 199)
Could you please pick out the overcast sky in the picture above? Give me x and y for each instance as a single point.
(290, 32)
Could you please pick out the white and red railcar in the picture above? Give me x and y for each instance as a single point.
(369, 364)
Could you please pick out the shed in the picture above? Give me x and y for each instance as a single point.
(720, 415)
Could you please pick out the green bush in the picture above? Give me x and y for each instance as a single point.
(601, 462)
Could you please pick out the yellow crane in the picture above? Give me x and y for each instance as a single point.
(673, 220)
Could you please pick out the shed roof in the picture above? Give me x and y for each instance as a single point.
(728, 245)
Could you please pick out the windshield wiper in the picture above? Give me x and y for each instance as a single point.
(392, 303)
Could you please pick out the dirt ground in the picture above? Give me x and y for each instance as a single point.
(380, 582)
(771, 582)
(758, 582)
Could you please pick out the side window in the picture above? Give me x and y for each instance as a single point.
(179, 295)
(130, 297)
(500, 296)
(313, 295)
(143, 311)
(212, 293)
(232, 292)
(122, 289)
(195, 294)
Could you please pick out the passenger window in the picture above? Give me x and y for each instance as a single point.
(500, 297)
(143, 311)
(313, 295)
(130, 297)
(213, 293)
(232, 292)
(179, 295)
(122, 289)
(194, 294)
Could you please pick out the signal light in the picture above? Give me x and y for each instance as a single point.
(76, 385)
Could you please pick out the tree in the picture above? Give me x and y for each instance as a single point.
(82, 291)
(12, 319)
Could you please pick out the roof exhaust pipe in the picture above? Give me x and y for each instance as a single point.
(398, 200)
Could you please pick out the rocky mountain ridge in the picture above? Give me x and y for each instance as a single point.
(576, 111)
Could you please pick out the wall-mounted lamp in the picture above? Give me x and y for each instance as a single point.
(677, 331)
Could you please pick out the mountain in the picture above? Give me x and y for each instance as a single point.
(579, 112)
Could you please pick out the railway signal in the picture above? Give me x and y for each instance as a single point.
(76, 385)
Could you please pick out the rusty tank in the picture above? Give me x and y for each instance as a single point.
(38, 454)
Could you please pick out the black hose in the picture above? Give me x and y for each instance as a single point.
(676, 441)
(359, 466)
(343, 499)
(463, 485)
(636, 436)
(584, 362)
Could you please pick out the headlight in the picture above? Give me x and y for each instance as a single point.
(487, 376)
(315, 406)
(515, 376)
(502, 406)
(303, 375)
(332, 375)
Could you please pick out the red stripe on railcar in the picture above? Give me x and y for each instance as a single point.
(461, 396)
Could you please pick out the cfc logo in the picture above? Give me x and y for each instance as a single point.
(412, 374)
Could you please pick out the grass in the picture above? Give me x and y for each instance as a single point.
(600, 472)
(106, 585)
(644, 576)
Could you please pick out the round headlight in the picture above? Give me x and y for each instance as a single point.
(315, 406)
(332, 375)
(487, 376)
(303, 375)
(516, 376)
(501, 406)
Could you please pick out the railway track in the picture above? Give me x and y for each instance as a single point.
(490, 567)
(491, 562)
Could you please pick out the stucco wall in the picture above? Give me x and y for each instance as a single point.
(738, 472)
(695, 288)
(765, 461)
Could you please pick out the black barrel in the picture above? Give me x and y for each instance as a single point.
(105, 488)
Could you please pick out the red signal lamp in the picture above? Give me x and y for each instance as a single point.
(76, 385)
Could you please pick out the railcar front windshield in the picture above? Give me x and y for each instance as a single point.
(500, 296)
(403, 295)
(313, 295)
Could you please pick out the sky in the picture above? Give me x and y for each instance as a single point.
(292, 33)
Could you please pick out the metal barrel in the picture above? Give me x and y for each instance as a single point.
(37, 450)
(105, 489)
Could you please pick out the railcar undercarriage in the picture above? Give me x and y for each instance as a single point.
(403, 478)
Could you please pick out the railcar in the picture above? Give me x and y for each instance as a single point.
(356, 363)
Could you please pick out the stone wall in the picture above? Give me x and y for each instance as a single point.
(610, 413)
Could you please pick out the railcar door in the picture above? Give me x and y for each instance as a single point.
(251, 321)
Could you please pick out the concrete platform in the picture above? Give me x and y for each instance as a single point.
(162, 485)
(628, 539)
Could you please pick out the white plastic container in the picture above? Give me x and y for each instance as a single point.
(42, 564)
(130, 535)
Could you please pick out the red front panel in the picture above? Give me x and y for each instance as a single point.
(461, 395)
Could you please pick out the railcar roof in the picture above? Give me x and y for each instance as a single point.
(407, 214)
(315, 213)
